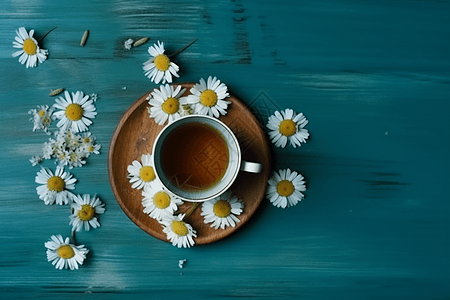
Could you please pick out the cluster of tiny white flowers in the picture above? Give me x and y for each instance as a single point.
(69, 148)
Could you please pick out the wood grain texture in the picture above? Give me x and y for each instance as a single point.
(135, 135)
(373, 79)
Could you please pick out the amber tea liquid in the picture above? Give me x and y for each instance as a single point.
(194, 156)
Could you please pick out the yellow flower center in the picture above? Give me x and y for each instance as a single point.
(179, 228)
(73, 157)
(222, 208)
(30, 47)
(161, 200)
(65, 251)
(208, 98)
(41, 113)
(285, 188)
(87, 140)
(287, 127)
(55, 183)
(147, 173)
(91, 148)
(74, 112)
(162, 62)
(170, 106)
(86, 213)
(46, 121)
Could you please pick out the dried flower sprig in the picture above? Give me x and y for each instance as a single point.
(68, 148)
(41, 118)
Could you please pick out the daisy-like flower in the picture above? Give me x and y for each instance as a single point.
(141, 174)
(288, 125)
(128, 43)
(222, 210)
(41, 117)
(285, 188)
(54, 187)
(87, 138)
(75, 112)
(91, 148)
(166, 103)
(63, 254)
(207, 98)
(157, 202)
(159, 67)
(85, 212)
(29, 52)
(180, 233)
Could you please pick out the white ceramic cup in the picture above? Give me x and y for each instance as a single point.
(235, 163)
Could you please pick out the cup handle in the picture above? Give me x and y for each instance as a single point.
(251, 167)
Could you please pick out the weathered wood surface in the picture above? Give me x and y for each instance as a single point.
(372, 77)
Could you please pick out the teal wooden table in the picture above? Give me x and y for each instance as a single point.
(373, 79)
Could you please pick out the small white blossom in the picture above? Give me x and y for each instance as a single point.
(35, 160)
(41, 118)
(128, 43)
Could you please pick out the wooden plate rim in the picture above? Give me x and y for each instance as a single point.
(160, 235)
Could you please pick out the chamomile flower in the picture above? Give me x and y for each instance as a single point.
(75, 112)
(159, 67)
(87, 138)
(285, 188)
(76, 158)
(41, 118)
(288, 126)
(85, 212)
(222, 210)
(207, 98)
(141, 174)
(157, 202)
(185, 110)
(54, 187)
(88, 149)
(128, 43)
(166, 103)
(180, 233)
(63, 254)
(29, 52)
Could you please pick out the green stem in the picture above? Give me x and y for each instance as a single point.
(194, 206)
(47, 34)
(182, 49)
(72, 238)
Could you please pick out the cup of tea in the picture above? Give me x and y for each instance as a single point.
(197, 158)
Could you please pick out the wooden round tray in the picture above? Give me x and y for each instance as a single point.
(134, 136)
